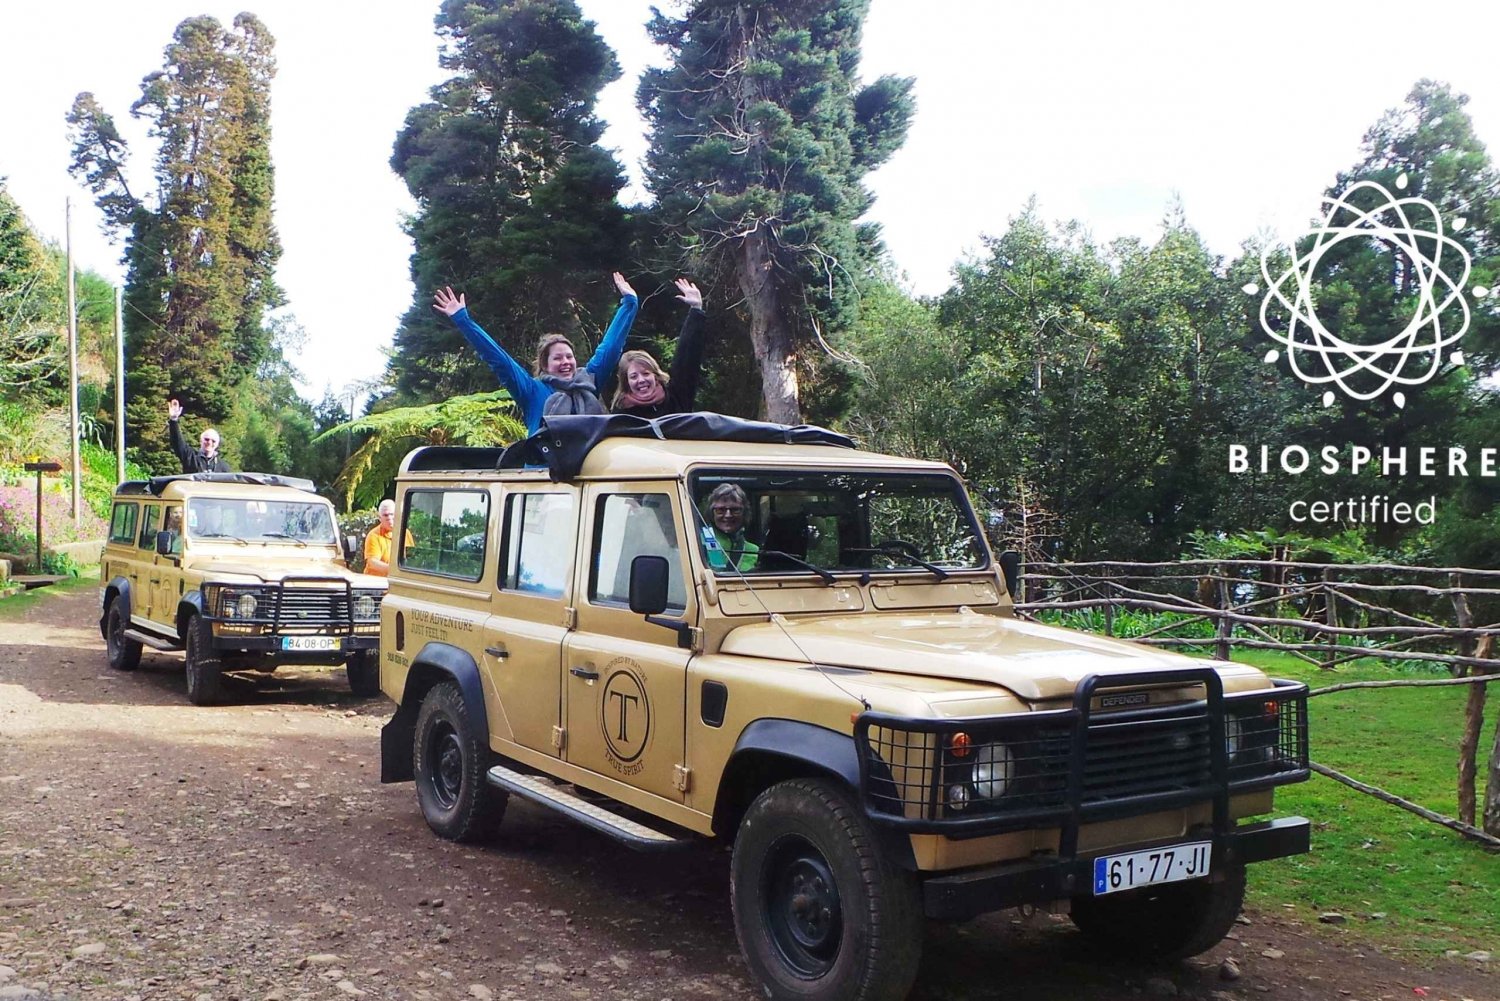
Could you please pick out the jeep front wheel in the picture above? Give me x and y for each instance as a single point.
(123, 654)
(822, 914)
(205, 668)
(1166, 923)
(363, 671)
(449, 759)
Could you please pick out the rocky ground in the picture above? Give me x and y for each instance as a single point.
(150, 849)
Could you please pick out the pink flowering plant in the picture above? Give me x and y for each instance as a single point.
(18, 520)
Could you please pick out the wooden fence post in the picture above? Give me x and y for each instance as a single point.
(1223, 628)
(1330, 617)
(1468, 743)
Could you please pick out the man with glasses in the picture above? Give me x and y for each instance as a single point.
(725, 542)
(378, 543)
(206, 458)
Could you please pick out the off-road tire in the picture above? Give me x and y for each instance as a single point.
(123, 654)
(1163, 924)
(205, 668)
(363, 671)
(449, 761)
(822, 914)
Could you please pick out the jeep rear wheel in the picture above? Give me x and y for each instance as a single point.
(123, 654)
(1163, 924)
(449, 759)
(821, 913)
(363, 671)
(205, 669)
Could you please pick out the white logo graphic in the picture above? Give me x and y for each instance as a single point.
(1411, 356)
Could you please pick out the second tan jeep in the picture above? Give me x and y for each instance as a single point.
(704, 628)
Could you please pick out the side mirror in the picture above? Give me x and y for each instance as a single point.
(351, 549)
(648, 585)
(1010, 566)
(164, 543)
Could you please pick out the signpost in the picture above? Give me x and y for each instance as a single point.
(39, 468)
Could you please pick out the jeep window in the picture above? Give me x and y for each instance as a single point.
(448, 529)
(147, 538)
(538, 543)
(847, 522)
(272, 522)
(122, 523)
(627, 526)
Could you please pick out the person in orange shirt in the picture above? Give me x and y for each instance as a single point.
(378, 557)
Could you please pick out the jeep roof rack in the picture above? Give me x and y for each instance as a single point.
(564, 441)
(157, 484)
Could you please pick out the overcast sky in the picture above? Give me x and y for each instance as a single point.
(1101, 111)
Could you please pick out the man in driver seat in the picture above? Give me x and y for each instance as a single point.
(725, 542)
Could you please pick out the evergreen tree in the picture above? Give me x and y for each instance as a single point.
(33, 356)
(201, 255)
(516, 201)
(760, 137)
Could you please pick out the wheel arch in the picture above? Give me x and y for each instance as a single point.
(774, 750)
(434, 664)
(188, 605)
(116, 587)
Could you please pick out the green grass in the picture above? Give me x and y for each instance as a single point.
(1437, 890)
(13, 606)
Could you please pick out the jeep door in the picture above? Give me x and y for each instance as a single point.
(145, 580)
(166, 571)
(624, 691)
(531, 613)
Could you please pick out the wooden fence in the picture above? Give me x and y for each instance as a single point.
(1325, 614)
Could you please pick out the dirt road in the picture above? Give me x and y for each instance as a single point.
(150, 849)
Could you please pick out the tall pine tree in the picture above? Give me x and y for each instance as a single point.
(201, 254)
(761, 135)
(516, 201)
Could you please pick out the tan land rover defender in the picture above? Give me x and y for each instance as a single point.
(242, 571)
(702, 627)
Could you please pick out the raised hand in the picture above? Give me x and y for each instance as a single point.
(174, 410)
(688, 293)
(622, 284)
(445, 302)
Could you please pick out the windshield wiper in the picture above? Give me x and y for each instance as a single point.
(222, 535)
(827, 577)
(283, 535)
(895, 552)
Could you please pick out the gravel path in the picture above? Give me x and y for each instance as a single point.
(150, 849)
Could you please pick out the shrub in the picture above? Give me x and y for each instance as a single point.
(18, 521)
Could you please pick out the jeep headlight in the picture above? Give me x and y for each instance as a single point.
(994, 767)
(365, 607)
(245, 606)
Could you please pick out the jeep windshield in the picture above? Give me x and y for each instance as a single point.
(835, 522)
(272, 522)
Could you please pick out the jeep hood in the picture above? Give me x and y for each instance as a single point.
(265, 571)
(1033, 661)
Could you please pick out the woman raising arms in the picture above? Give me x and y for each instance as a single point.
(645, 390)
(558, 386)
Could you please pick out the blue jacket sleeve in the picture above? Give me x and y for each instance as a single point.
(602, 365)
(528, 393)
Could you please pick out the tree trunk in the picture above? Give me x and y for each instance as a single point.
(1492, 790)
(769, 334)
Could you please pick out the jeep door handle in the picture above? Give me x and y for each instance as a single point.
(586, 673)
(497, 651)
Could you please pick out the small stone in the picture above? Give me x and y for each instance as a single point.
(349, 989)
(550, 969)
(445, 935)
(6, 973)
(114, 905)
(1160, 987)
(88, 949)
(1272, 953)
(16, 991)
(1331, 918)
(1229, 969)
(1242, 920)
(437, 902)
(318, 959)
(481, 992)
(1478, 955)
(1377, 916)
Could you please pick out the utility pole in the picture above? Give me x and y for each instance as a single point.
(120, 384)
(73, 369)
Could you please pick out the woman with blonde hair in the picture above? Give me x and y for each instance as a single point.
(644, 389)
(557, 387)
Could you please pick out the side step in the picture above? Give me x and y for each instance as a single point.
(154, 642)
(546, 793)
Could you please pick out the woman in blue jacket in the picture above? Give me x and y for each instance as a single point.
(558, 386)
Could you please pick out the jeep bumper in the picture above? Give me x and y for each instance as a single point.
(1037, 881)
(342, 647)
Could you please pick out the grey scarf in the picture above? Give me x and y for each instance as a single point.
(577, 395)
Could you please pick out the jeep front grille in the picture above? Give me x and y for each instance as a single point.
(986, 775)
(308, 607)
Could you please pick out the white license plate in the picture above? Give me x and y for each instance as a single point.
(1168, 864)
(309, 643)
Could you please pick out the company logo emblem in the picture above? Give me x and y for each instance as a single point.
(1120, 701)
(1409, 227)
(625, 715)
